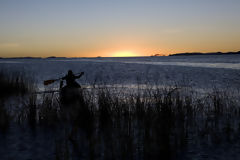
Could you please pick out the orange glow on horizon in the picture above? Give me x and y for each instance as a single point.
(124, 54)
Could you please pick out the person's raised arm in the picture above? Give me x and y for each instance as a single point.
(80, 75)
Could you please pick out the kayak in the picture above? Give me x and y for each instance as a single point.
(70, 95)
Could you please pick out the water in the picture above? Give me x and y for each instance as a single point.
(197, 71)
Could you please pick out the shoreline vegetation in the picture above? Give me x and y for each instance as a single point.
(205, 54)
(14, 83)
(103, 123)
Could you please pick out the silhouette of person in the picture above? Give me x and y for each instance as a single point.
(70, 79)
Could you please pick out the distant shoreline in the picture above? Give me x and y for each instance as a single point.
(156, 55)
(211, 53)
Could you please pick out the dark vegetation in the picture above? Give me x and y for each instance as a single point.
(199, 53)
(116, 123)
(22, 58)
(14, 83)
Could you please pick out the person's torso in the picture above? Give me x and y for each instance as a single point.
(70, 79)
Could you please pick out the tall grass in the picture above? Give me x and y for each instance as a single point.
(4, 118)
(12, 84)
(149, 123)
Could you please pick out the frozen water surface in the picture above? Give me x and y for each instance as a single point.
(197, 71)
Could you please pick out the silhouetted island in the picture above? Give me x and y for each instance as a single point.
(199, 53)
(23, 58)
(52, 57)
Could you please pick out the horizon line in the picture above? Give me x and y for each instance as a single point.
(154, 55)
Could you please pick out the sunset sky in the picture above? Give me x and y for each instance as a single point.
(90, 28)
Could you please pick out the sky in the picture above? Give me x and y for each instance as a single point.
(106, 28)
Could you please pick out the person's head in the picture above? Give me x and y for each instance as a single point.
(70, 72)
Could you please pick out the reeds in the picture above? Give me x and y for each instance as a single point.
(149, 123)
(4, 118)
(154, 123)
(14, 83)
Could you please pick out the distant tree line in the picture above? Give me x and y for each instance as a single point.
(199, 53)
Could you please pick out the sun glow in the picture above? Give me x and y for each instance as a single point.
(124, 54)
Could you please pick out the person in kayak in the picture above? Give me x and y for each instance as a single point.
(70, 79)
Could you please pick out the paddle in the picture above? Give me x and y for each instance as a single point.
(47, 82)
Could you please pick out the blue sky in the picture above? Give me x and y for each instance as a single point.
(112, 27)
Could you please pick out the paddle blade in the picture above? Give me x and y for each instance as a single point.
(47, 82)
